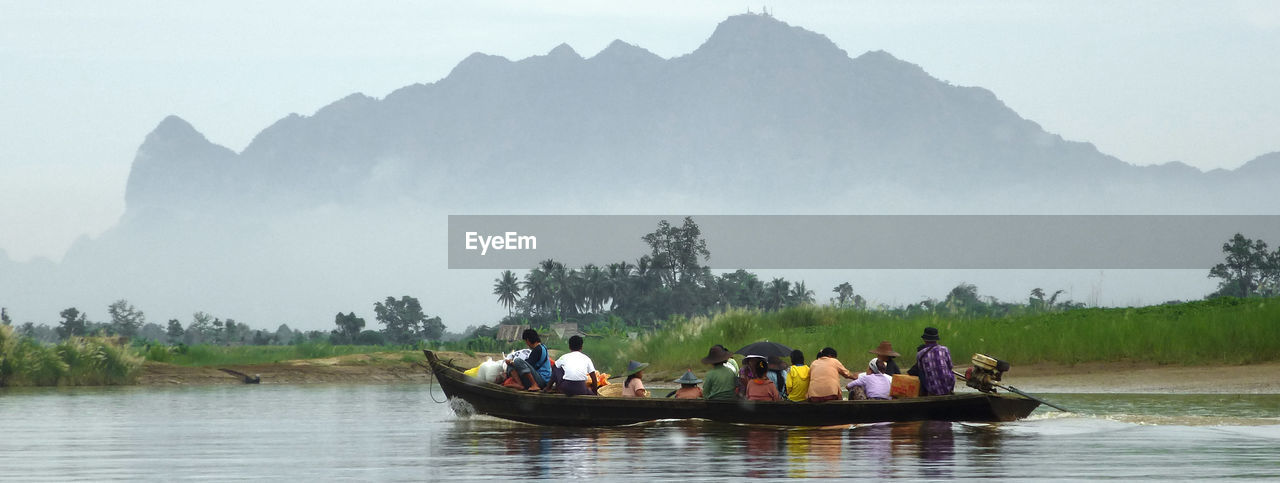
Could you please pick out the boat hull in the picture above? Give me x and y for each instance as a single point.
(559, 410)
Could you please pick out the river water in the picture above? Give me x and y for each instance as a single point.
(382, 432)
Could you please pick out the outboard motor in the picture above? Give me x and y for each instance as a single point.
(985, 373)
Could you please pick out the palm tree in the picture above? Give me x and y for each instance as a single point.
(754, 290)
(507, 288)
(566, 290)
(800, 295)
(1054, 299)
(538, 290)
(593, 287)
(776, 292)
(617, 279)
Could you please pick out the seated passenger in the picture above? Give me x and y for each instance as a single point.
(873, 384)
(731, 364)
(579, 372)
(533, 372)
(933, 366)
(797, 378)
(885, 353)
(688, 386)
(759, 387)
(749, 371)
(777, 373)
(824, 376)
(634, 387)
(721, 381)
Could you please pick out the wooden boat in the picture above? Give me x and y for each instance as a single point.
(560, 410)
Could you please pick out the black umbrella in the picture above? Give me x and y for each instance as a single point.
(766, 349)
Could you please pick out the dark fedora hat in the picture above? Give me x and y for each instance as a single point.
(688, 378)
(634, 367)
(885, 349)
(716, 355)
(930, 333)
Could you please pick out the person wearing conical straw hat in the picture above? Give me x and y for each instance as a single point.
(688, 386)
(634, 387)
(884, 358)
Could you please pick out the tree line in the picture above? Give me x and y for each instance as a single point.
(673, 280)
(403, 322)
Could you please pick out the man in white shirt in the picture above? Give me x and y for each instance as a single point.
(578, 369)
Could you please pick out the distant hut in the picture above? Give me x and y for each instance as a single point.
(565, 331)
(510, 332)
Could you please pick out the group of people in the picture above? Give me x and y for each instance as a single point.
(757, 379)
(761, 379)
(573, 374)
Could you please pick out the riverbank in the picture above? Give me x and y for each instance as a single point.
(373, 368)
(1090, 377)
(1133, 377)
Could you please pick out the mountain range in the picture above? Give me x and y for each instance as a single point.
(347, 205)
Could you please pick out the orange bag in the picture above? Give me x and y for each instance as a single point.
(904, 386)
(512, 383)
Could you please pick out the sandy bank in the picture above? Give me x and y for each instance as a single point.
(1129, 377)
(377, 368)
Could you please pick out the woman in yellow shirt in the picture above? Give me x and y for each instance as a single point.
(797, 378)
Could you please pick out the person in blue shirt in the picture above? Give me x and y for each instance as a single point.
(534, 371)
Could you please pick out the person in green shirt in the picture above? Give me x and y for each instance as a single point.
(720, 382)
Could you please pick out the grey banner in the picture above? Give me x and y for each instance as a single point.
(865, 241)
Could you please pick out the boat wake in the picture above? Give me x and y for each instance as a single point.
(1158, 420)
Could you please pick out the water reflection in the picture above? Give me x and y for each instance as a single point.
(913, 450)
(391, 433)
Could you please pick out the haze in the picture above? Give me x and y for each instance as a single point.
(1145, 82)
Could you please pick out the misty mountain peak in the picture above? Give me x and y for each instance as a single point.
(881, 61)
(1268, 164)
(478, 64)
(762, 34)
(347, 105)
(169, 159)
(564, 51)
(622, 52)
(174, 129)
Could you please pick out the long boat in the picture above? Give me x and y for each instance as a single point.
(559, 410)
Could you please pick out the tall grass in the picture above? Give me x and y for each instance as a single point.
(1219, 331)
(78, 361)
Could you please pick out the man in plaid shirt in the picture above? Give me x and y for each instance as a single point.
(933, 363)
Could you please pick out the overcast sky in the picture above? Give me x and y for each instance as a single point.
(81, 83)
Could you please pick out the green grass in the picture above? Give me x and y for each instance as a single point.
(78, 361)
(1218, 331)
